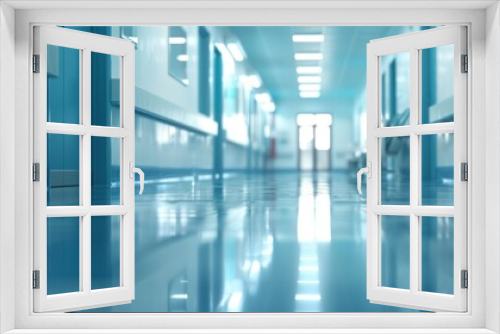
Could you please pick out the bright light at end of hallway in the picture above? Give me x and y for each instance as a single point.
(308, 69)
(308, 56)
(310, 94)
(308, 38)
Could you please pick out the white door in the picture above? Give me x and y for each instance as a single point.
(416, 196)
(83, 199)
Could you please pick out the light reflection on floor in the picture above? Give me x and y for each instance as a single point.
(285, 242)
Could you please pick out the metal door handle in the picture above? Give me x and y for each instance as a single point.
(368, 171)
(134, 170)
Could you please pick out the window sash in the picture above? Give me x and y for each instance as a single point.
(86, 297)
(414, 297)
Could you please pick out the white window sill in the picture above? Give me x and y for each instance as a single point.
(250, 331)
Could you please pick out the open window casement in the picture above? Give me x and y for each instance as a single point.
(83, 199)
(408, 208)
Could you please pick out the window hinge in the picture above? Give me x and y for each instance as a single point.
(464, 171)
(36, 63)
(465, 64)
(36, 279)
(36, 172)
(465, 279)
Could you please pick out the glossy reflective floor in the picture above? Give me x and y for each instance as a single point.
(289, 242)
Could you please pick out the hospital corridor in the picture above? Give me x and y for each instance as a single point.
(250, 139)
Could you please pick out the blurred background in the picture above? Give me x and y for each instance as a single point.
(250, 139)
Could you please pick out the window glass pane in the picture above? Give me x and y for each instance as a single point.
(306, 136)
(177, 53)
(306, 147)
(306, 119)
(437, 84)
(105, 171)
(322, 141)
(105, 236)
(395, 170)
(395, 92)
(437, 169)
(105, 90)
(63, 85)
(395, 244)
(437, 254)
(323, 119)
(63, 255)
(63, 170)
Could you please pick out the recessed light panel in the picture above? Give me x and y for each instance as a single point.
(308, 69)
(303, 87)
(308, 38)
(309, 94)
(308, 56)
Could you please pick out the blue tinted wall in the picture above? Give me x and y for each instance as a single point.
(180, 132)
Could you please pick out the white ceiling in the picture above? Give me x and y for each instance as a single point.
(270, 52)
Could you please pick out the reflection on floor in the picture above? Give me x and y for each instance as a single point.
(287, 242)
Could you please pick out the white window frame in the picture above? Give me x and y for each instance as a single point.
(413, 43)
(85, 43)
(16, 228)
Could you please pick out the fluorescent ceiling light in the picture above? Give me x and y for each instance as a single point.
(308, 38)
(254, 81)
(236, 52)
(183, 58)
(309, 87)
(310, 94)
(308, 56)
(263, 98)
(309, 79)
(308, 69)
(269, 107)
(177, 40)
